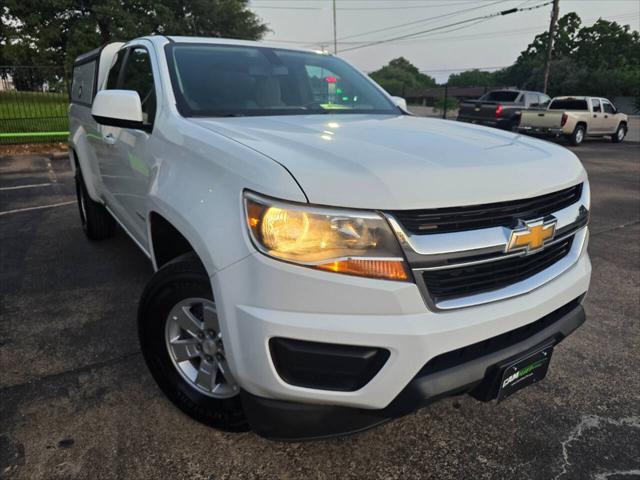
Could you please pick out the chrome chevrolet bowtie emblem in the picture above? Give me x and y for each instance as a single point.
(532, 235)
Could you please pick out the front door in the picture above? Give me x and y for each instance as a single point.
(610, 118)
(596, 124)
(134, 162)
(124, 157)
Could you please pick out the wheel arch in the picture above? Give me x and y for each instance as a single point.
(167, 242)
(582, 123)
(79, 163)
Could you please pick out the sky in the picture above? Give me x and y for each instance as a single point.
(484, 43)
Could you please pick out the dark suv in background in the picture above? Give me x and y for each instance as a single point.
(501, 108)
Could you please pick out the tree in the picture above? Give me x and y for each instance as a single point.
(54, 32)
(400, 76)
(472, 78)
(600, 60)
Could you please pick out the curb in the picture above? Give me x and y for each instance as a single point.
(59, 155)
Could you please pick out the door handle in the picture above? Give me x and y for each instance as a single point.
(109, 139)
(606, 116)
(595, 116)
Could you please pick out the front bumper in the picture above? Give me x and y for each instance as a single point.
(259, 298)
(443, 376)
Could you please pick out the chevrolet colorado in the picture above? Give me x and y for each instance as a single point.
(324, 261)
(576, 118)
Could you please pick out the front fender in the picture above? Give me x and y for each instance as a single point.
(197, 186)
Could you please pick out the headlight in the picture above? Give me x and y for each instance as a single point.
(343, 241)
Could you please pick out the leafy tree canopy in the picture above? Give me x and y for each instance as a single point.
(400, 76)
(602, 60)
(54, 32)
(472, 78)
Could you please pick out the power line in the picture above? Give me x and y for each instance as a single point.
(367, 8)
(472, 36)
(405, 7)
(278, 7)
(497, 14)
(415, 22)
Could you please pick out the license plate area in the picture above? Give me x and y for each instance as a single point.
(508, 376)
(524, 371)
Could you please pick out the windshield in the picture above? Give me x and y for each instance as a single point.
(505, 96)
(568, 104)
(232, 80)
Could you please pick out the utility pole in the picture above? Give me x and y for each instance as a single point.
(335, 35)
(555, 10)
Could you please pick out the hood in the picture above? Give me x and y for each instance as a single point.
(403, 162)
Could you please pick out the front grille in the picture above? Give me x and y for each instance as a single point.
(506, 214)
(469, 280)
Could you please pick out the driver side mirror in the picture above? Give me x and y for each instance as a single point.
(118, 108)
(401, 103)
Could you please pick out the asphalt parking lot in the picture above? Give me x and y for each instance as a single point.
(76, 400)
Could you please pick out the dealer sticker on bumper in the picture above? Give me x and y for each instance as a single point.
(524, 372)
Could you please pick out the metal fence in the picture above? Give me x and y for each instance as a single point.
(33, 105)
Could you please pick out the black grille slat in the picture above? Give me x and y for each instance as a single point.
(454, 219)
(456, 282)
(482, 276)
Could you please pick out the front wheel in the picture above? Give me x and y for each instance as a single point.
(621, 132)
(183, 346)
(577, 137)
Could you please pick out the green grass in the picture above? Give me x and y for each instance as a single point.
(39, 113)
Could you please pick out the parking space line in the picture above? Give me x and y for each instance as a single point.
(26, 186)
(18, 210)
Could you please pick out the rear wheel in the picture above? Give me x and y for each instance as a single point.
(577, 137)
(621, 132)
(183, 346)
(97, 223)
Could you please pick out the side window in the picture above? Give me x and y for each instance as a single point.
(138, 76)
(533, 100)
(608, 108)
(82, 83)
(544, 101)
(114, 71)
(595, 104)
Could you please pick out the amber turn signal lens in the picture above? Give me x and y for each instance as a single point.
(389, 269)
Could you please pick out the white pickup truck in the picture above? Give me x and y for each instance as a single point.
(576, 118)
(324, 261)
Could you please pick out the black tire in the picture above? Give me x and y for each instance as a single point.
(97, 223)
(577, 137)
(621, 132)
(180, 279)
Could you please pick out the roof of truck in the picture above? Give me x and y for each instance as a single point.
(229, 41)
(574, 97)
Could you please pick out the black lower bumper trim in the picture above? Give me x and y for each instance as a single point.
(290, 421)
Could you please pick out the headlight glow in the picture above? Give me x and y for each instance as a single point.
(337, 240)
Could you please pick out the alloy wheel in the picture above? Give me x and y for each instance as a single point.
(194, 342)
